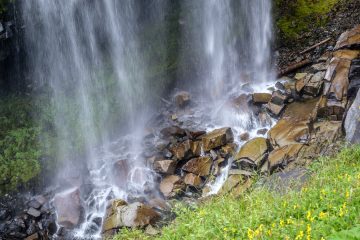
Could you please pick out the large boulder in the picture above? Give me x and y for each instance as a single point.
(68, 208)
(192, 180)
(231, 182)
(199, 166)
(261, 98)
(217, 138)
(254, 150)
(119, 215)
(295, 125)
(352, 121)
(171, 186)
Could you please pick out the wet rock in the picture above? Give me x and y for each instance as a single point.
(200, 166)
(322, 66)
(278, 98)
(300, 83)
(173, 131)
(182, 99)
(332, 108)
(158, 203)
(264, 119)
(192, 180)
(244, 136)
(349, 39)
(240, 172)
(181, 150)
(33, 212)
(196, 148)
(165, 166)
(171, 186)
(327, 132)
(254, 150)
(4, 214)
(262, 131)
(261, 98)
(279, 86)
(352, 121)
(275, 109)
(132, 215)
(228, 150)
(217, 138)
(121, 171)
(231, 183)
(68, 208)
(282, 156)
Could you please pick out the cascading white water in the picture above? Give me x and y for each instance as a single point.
(227, 44)
(89, 56)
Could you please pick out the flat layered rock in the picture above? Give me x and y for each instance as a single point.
(352, 121)
(282, 156)
(231, 182)
(217, 138)
(254, 150)
(261, 98)
(199, 166)
(349, 39)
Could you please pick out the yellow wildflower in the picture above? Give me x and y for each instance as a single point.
(308, 232)
(347, 194)
(282, 223)
(322, 215)
(300, 235)
(308, 216)
(269, 232)
(250, 234)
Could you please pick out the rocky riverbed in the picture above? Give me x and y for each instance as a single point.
(302, 116)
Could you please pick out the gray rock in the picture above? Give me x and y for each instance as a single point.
(352, 121)
(33, 212)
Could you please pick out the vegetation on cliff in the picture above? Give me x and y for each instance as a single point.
(294, 17)
(326, 207)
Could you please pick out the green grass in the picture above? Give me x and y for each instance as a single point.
(296, 16)
(326, 207)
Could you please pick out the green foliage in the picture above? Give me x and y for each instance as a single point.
(327, 205)
(297, 16)
(19, 150)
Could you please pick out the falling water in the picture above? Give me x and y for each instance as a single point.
(89, 57)
(227, 52)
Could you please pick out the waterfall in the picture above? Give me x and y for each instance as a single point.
(90, 59)
(95, 64)
(226, 52)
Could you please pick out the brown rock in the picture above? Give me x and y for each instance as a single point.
(68, 208)
(349, 39)
(217, 138)
(244, 136)
(261, 97)
(240, 172)
(200, 166)
(181, 150)
(241, 188)
(275, 109)
(278, 98)
(282, 156)
(301, 83)
(192, 180)
(182, 99)
(228, 149)
(165, 166)
(231, 183)
(173, 131)
(171, 186)
(132, 215)
(196, 148)
(313, 86)
(254, 150)
(338, 75)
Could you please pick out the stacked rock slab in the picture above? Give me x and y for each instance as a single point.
(337, 80)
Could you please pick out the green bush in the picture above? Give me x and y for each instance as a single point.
(295, 16)
(19, 148)
(326, 207)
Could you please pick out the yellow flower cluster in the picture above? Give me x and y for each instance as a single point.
(343, 210)
(255, 233)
